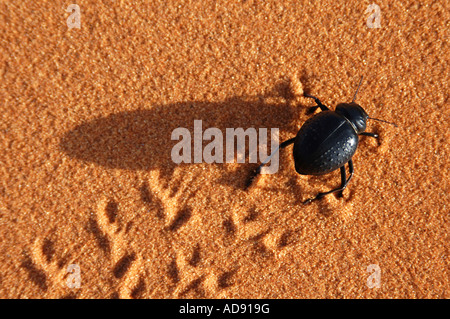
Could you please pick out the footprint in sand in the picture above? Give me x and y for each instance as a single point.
(47, 266)
(111, 236)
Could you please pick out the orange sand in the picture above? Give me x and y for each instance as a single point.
(86, 176)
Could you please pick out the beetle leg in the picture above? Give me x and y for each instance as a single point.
(375, 135)
(319, 104)
(344, 182)
(258, 170)
(282, 145)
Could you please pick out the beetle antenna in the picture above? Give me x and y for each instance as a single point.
(360, 81)
(383, 121)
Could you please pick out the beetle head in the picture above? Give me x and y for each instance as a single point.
(355, 114)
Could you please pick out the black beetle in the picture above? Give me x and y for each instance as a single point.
(327, 141)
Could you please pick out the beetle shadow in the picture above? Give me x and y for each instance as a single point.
(324, 210)
(140, 140)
